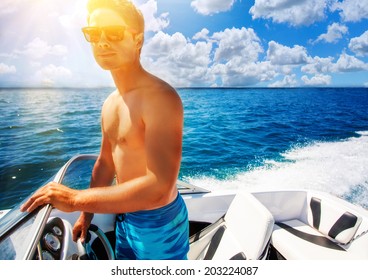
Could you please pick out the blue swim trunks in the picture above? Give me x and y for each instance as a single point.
(159, 234)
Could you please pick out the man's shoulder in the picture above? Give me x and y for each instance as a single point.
(161, 90)
(160, 97)
(110, 98)
(109, 102)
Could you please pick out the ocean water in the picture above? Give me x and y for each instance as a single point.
(313, 138)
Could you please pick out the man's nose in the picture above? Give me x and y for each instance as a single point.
(103, 42)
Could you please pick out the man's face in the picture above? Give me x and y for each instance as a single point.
(112, 54)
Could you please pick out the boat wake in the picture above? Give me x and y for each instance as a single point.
(340, 168)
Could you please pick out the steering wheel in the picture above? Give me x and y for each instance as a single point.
(85, 250)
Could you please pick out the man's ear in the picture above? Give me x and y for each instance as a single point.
(139, 39)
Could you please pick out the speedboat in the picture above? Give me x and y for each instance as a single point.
(281, 224)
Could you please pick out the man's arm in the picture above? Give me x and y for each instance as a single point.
(102, 175)
(104, 170)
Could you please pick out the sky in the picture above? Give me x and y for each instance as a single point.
(195, 43)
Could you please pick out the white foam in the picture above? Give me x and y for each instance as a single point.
(336, 167)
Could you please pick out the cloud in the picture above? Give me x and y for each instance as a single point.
(236, 58)
(335, 32)
(288, 81)
(209, 7)
(75, 17)
(359, 45)
(176, 60)
(283, 55)
(38, 49)
(318, 65)
(351, 10)
(6, 69)
(51, 75)
(227, 58)
(348, 63)
(235, 73)
(293, 12)
(152, 22)
(9, 6)
(203, 34)
(9, 55)
(317, 80)
(243, 44)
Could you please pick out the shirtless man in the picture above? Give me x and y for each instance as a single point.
(142, 125)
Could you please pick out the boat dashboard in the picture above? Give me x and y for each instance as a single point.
(53, 241)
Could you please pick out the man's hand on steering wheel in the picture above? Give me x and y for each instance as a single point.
(81, 226)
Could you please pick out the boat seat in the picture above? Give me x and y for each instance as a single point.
(324, 234)
(243, 233)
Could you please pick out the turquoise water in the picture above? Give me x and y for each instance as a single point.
(233, 138)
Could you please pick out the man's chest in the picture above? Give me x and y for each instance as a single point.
(123, 126)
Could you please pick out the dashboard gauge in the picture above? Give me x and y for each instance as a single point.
(57, 230)
(47, 255)
(52, 242)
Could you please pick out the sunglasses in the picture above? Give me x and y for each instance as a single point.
(112, 33)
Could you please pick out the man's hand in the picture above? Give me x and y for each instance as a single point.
(81, 226)
(59, 196)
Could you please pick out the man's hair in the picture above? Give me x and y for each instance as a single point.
(129, 12)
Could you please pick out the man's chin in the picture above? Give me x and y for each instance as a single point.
(110, 65)
(107, 66)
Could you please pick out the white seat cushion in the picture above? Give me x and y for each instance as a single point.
(302, 242)
(247, 229)
(333, 220)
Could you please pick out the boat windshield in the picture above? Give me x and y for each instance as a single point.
(15, 226)
(18, 228)
(12, 246)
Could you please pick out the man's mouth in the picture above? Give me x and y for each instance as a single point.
(105, 54)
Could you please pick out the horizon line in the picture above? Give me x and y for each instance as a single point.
(190, 87)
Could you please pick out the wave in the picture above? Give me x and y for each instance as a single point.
(340, 168)
(50, 132)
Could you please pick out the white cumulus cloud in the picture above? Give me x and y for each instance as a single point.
(51, 75)
(9, 6)
(208, 7)
(351, 10)
(345, 63)
(287, 81)
(236, 73)
(152, 21)
(177, 60)
(244, 44)
(282, 55)
(236, 58)
(203, 34)
(317, 80)
(318, 65)
(335, 32)
(293, 12)
(359, 45)
(7, 69)
(39, 48)
(226, 58)
(348, 63)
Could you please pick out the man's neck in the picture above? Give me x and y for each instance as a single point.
(128, 78)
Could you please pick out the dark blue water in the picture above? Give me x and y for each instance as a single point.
(233, 138)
